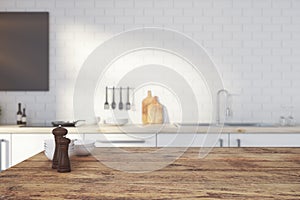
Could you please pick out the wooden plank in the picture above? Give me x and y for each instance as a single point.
(226, 173)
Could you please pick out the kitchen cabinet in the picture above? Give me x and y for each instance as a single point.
(229, 140)
(122, 140)
(18, 146)
(265, 140)
(192, 140)
(27, 145)
(5, 151)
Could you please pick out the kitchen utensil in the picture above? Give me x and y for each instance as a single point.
(106, 104)
(66, 123)
(49, 146)
(64, 164)
(113, 103)
(120, 103)
(128, 103)
(282, 121)
(290, 120)
(116, 122)
(132, 107)
(58, 133)
(83, 147)
(145, 103)
(155, 112)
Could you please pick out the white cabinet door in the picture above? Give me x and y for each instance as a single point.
(265, 140)
(5, 151)
(122, 140)
(26, 145)
(192, 140)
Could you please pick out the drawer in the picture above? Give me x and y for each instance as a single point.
(265, 140)
(122, 140)
(192, 140)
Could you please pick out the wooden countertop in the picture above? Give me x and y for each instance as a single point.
(169, 128)
(226, 173)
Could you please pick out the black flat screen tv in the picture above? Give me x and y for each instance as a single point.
(24, 51)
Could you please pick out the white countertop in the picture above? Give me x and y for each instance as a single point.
(169, 128)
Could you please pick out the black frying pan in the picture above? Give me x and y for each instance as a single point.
(65, 124)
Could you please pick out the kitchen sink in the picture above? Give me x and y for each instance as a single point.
(241, 124)
(253, 124)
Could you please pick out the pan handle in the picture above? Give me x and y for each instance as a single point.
(81, 120)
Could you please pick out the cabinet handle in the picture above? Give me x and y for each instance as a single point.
(238, 142)
(221, 142)
(1, 154)
(1, 141)
(6, 154)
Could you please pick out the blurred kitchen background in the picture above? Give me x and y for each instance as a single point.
(255, 45)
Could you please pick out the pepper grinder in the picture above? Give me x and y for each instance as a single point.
(58, 133)
(63, 158)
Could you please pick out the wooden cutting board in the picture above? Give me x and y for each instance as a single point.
(145, 103)
(155, 112)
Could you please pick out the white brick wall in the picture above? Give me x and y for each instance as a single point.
(255, 44)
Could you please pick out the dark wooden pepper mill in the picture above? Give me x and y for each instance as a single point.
(58, 133)
(63, 158)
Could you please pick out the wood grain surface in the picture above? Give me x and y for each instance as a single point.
(226, 173)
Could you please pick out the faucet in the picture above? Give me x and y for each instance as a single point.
(228, 111)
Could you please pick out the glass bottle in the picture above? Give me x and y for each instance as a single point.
(24, 120)
(19, 114)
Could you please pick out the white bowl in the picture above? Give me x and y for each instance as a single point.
(83, 147)
(49, 146)
(116, 122)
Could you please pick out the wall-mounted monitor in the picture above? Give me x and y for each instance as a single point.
(24, 51)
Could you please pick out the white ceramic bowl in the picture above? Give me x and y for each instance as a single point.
(116, 122)
(49, 146)
(83, 147)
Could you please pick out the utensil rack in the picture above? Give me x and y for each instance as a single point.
(127, 105)
(118, 88)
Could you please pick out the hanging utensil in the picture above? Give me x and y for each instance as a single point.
(133, 108)
(120, 103)
(106, 104)
(113, 103)
(128, 103)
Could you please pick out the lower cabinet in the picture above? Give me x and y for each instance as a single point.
(122, 140)
(192, 140)
(15, 147)
(26, 145)
(5, 151)
(229, 140)
(265, 140)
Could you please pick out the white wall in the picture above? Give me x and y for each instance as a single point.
(255, 44)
